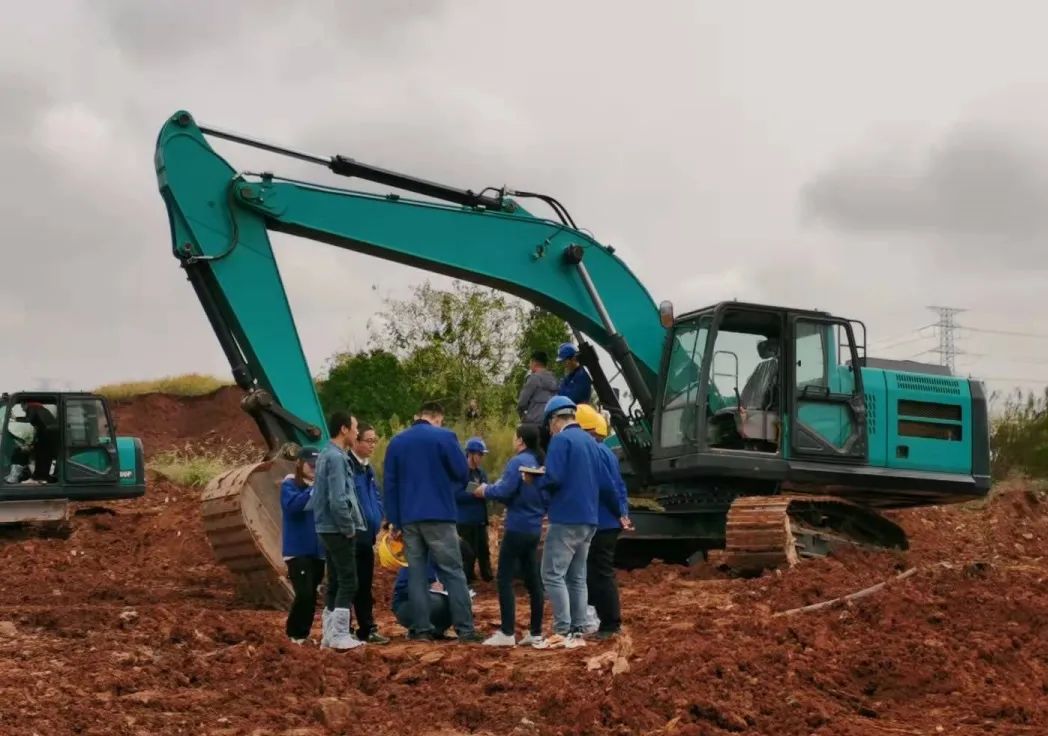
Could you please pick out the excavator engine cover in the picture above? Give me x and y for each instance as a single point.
(242, 521)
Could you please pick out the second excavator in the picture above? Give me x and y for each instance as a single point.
(757, 433)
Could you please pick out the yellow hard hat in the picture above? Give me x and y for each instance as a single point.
(390, 551)
(602, 426)
(588, 417)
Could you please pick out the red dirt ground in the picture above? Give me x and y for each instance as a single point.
(128, 627)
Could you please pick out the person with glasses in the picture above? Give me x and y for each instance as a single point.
(371, 505)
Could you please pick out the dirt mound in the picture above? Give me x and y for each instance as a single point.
(165, 422)
(129, 627)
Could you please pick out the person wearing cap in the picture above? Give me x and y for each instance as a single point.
(577, 481)
(539, 387)
(576, 384)
(302, 551)
(473, 515)
(612, 518)
(371, 506)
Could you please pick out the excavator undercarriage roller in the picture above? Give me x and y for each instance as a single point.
(767, 532)
(242, 521)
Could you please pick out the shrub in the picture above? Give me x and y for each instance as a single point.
(196, 467)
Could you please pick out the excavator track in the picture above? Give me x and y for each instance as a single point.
(767, 532)
(242, 522)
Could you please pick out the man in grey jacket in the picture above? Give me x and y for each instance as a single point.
(339, 519)
(538, 388)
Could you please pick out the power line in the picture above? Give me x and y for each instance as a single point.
(1037, 335)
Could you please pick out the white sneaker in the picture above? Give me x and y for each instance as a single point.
(550, 643)
(530, 640)
(300, 642)
(498, 639)
(574, 641)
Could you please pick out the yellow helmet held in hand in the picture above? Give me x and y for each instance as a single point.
(390, 551)
(588, 417)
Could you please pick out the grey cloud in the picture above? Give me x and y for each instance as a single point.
(980, 188)
(172, 31)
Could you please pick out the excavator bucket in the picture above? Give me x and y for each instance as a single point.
(242, 521)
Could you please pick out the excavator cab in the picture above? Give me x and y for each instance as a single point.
(749, 386)
(57, 447)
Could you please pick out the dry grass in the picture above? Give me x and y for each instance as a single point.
(196, 467)
(189, 384)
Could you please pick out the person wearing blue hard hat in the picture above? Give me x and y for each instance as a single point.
(576, 384)
(577, 481)
(473, 515)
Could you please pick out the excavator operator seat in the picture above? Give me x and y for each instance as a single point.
(760, 389)
(758, 402)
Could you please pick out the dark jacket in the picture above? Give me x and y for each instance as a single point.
(368, 495)
(577, 478)
(400, 587)
(299, 533)
(335, 506)
(525, 502)
(605, 518)
(472, 510)
(577, 386)
(538, 388)
(423, 470)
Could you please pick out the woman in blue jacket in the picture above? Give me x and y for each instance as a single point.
(371, 507)
(302, 549)
(525, 508)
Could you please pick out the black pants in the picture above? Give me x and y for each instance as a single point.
(475, 550)
(600, 579)
(305, 574)
(519, 552)
(342, 570)
(364, 602)
(45, 453)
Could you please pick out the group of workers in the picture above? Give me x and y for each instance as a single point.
(433, 503)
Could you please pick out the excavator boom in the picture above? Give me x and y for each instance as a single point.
(220, 220)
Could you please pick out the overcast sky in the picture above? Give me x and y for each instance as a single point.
(865, 158)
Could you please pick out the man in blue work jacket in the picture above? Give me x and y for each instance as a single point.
(576, 384)
(473, 516)
(423, 471)
(577, 481)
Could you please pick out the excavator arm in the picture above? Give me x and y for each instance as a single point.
(220, 220)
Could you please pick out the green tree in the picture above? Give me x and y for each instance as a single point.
(454, 344)
(1019, 436)
(373, 384)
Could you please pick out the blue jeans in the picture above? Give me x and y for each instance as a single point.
(564, 574)
(437, 541)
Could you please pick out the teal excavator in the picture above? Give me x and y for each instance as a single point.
(755, 434)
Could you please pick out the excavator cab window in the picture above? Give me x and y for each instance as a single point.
(29, 445)
(828, 408)
(745, 405)
(679, 421)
